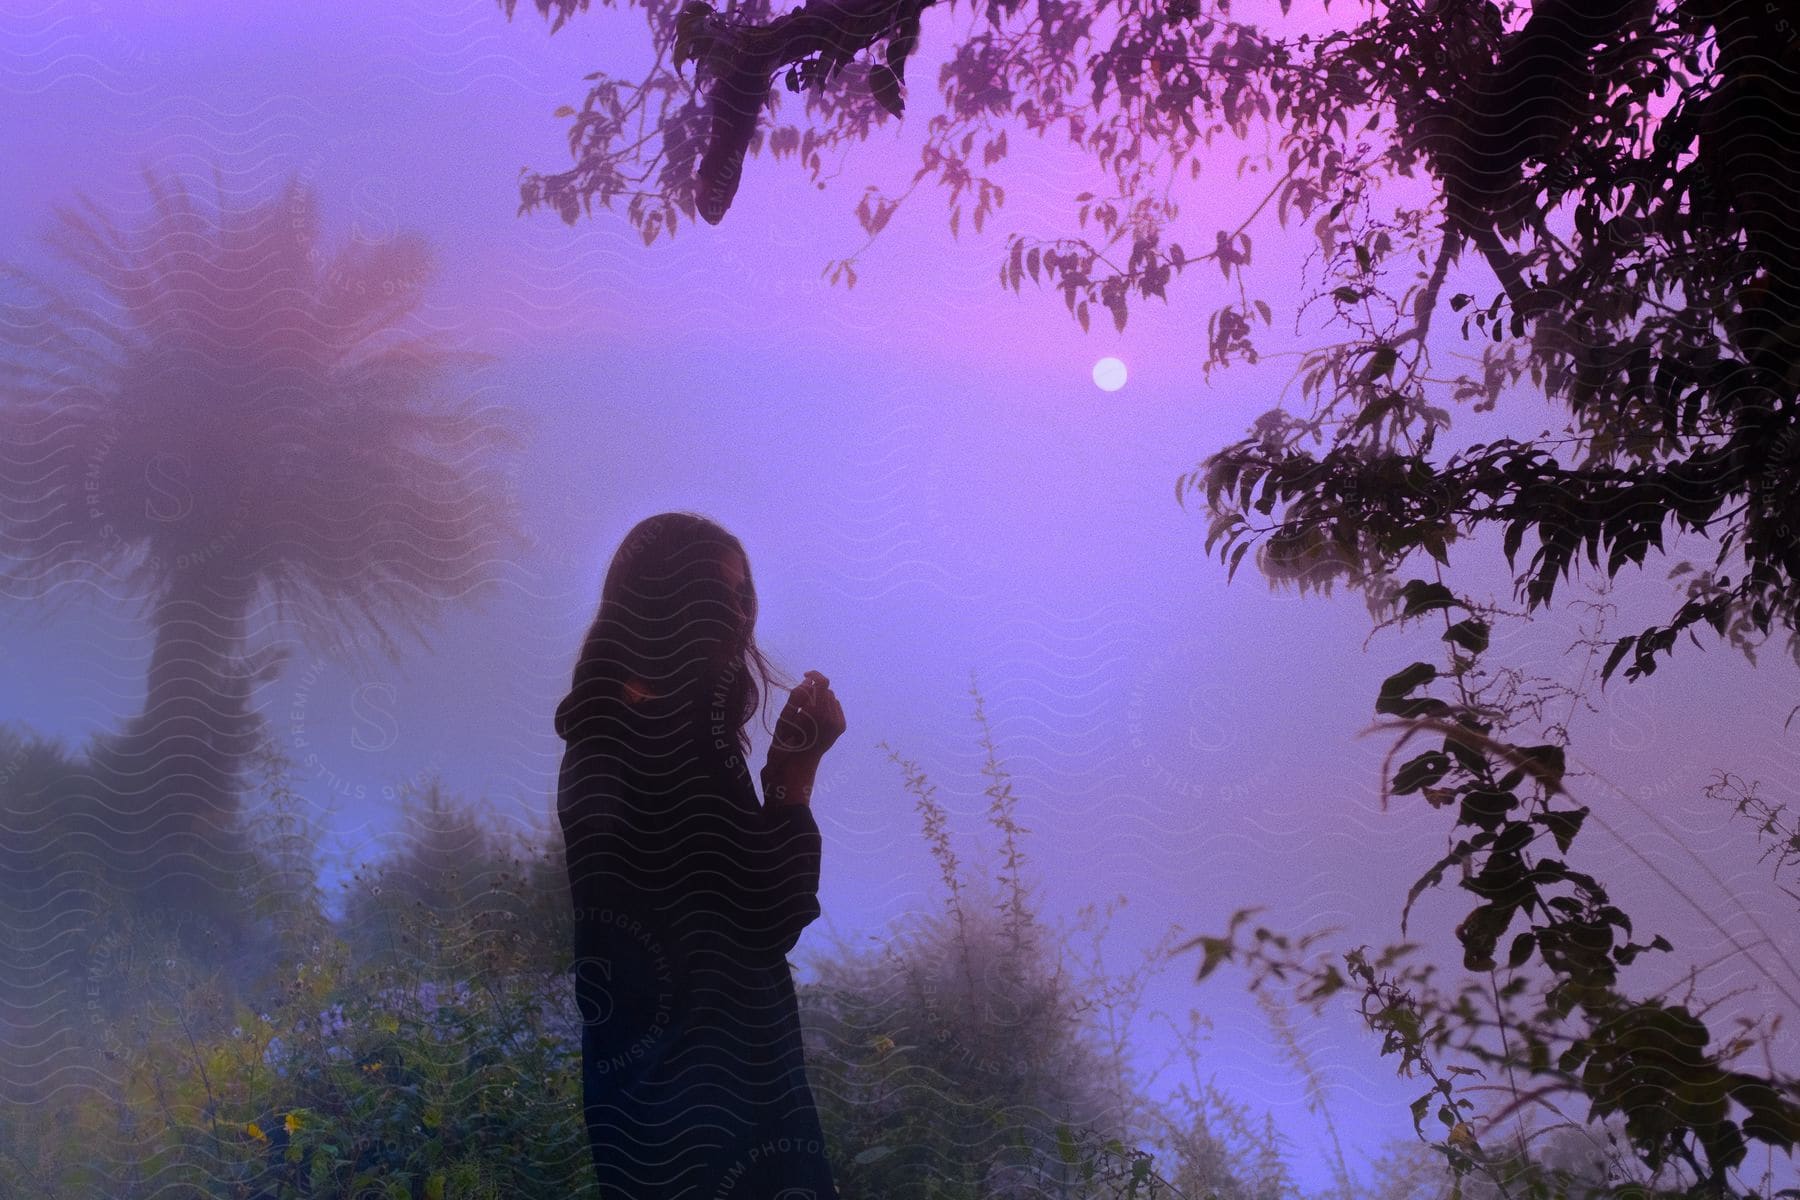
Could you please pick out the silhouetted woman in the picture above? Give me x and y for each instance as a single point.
(688, 892)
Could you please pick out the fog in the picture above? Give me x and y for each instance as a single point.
(933, 495)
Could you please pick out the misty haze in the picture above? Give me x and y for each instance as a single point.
(886, 600)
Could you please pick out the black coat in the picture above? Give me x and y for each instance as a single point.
(688, 896)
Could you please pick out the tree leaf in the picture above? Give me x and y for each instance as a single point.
(1416, 773)
(1618, 652)
(1396, 686)
(1471, 635)
(1546, 763)
(1419, 595)
(1564, 824)
(1480, 931)
(1430, 879)
(1419, 1108)
(886, 87)
(1236, 556)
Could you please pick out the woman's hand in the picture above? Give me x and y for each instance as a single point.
(809, 724)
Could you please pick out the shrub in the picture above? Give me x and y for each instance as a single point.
(965, 1058)
(335, 1077)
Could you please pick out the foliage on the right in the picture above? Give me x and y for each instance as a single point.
(1610, 161)
(1542, 1004)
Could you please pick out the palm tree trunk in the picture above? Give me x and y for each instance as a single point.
(149, 821)
(178, 766)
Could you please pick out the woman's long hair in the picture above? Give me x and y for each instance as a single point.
(669, 621)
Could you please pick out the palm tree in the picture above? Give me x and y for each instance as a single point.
(220, 421)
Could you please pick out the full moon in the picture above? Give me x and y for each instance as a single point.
(1109, 374)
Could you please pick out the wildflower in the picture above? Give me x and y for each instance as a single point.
(292, 1123)
(255, 1131)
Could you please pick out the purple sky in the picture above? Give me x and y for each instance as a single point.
(927, 482)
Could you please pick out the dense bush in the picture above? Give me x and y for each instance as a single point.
(413, 1091)
(458, 891)
(308, 1069)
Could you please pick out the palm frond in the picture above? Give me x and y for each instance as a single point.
(210, 383)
